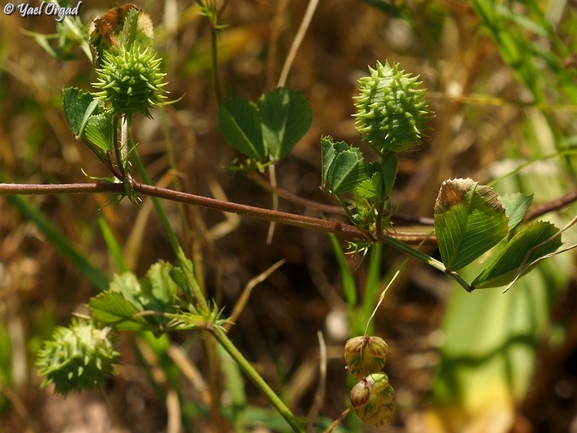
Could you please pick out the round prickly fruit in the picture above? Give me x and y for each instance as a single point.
(79, 357)
(130, 81)
(391, 115)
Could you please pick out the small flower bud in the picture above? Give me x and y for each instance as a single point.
(372, 399)
(391, 115)
(365, 355)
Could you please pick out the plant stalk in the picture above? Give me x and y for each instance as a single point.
(345, 230)
(256, 378)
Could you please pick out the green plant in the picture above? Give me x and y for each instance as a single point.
(470, 218)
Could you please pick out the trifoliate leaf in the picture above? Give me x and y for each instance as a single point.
(469, 220)
(343, 167)
(286, 116)
(159, 291)
(372, 187)
(99, 131)
(240, 123)
(523, 249)
(515, 207)
(113, 309)
(128, 286)
(78, 107)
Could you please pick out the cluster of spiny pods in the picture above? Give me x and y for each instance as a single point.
(372, 397)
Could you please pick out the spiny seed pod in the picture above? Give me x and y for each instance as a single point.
(372, 399)
(365, 355)
(130, 81)
(79, 357)
(391, 115)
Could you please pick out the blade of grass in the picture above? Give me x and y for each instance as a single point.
(113, 247)
(349, 286)
(372, 286)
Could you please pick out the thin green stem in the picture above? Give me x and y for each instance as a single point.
(427, 259)
(214, 58)
(259, 382)
(186, 264)
(119, 162)
(379, 223)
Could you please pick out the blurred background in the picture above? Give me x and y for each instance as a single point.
(502, 85)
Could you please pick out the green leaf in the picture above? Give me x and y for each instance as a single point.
(469, 220)
(78, 107)
(286, 117)
(515, 207)
(112, 308)
(343, 167)
(159, 291)
(523, 249)
(100, 131)
(372, 187)
(240, 123)
(179, 278)
(128, 286)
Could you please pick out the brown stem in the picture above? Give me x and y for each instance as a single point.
(551, 206)
(329, 208)
(345, 230)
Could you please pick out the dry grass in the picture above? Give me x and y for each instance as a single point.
(277, 329)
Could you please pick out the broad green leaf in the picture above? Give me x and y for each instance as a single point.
(469, 220)
(240, 123)
(380, 180)
(342, 166)
(155, 292)
(99, 131)
(78, 107)
(372, 187)
(515, 207)
(112, 308)
(528, 245)
(128, 286)
(179, 279)
(286, 116)
(159, 291)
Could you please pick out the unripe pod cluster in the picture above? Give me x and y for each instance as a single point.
(391, 115)
(365, 355)
(372, 397)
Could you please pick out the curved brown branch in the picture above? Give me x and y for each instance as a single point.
(329, 208)
(342, 229)
(551, 206)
